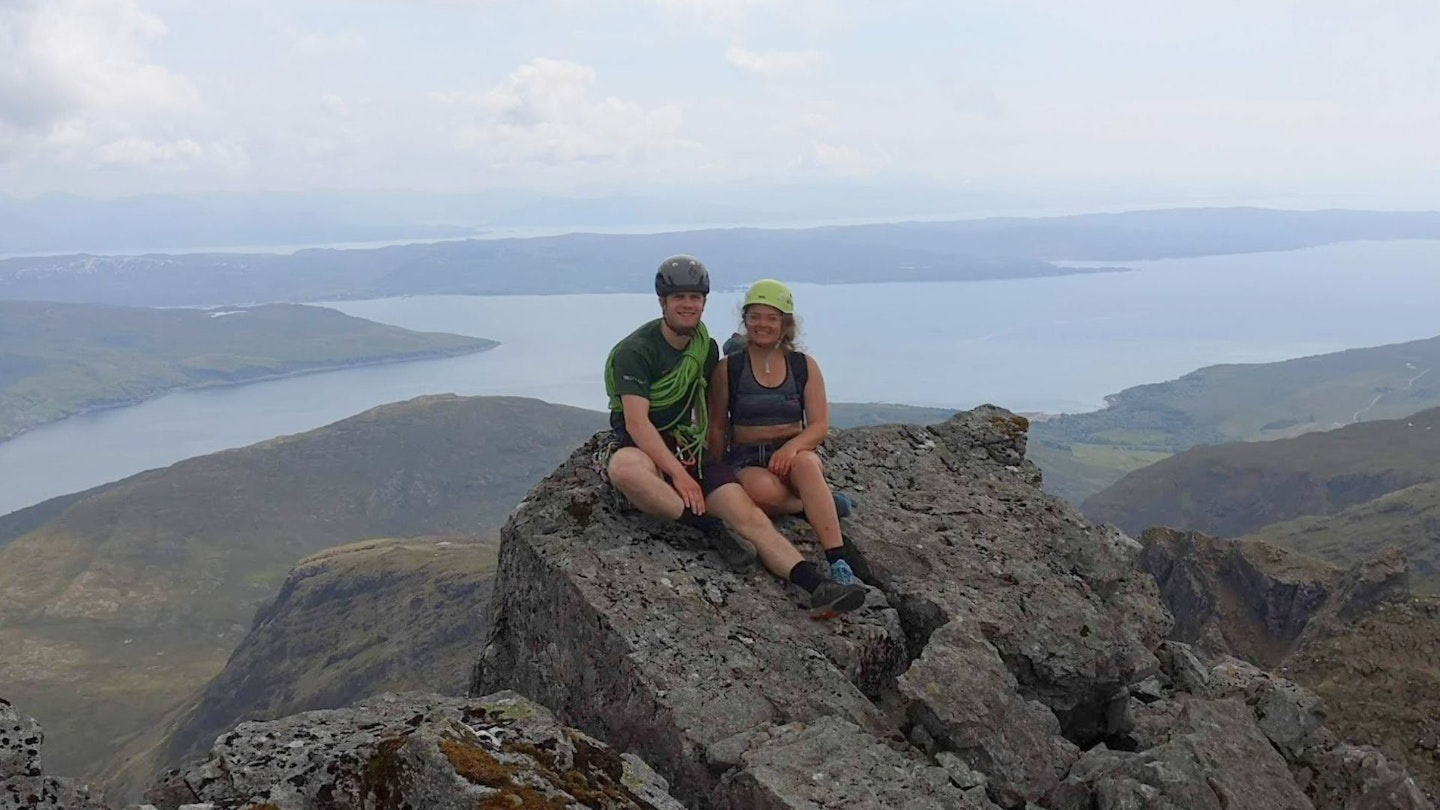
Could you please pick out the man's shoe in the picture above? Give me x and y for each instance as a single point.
(736, 551)
(831, 599)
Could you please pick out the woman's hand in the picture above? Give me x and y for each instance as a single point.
(782, 459)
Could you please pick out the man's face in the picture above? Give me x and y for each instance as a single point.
(682, 311)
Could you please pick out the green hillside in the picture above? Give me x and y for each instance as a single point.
(1084, 453)
(58, 360)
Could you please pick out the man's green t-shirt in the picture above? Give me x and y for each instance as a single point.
(640, 359)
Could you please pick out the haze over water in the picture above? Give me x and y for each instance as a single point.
(1050, 344)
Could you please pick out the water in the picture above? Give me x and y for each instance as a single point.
(1051, 344)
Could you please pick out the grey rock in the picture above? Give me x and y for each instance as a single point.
(419, 750)
(22, 781)
(1288, 714)
(20, 741)
(984, 719)
(1210, 757)
(834, 763)
(1349, 777)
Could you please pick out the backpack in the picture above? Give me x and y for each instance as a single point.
(739, 362)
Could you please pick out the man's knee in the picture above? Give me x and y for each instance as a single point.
(629, 467)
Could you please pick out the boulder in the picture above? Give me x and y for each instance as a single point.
(22, 779)
(415, 750)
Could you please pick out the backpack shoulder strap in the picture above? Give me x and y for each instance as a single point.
(800, 370)
(735, 366)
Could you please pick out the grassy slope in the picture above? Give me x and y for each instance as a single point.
(1084, 453)
(57, 360)
(1235, 489)
(1408, 518)
(133, 597)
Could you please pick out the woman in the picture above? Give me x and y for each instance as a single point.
(768, 401)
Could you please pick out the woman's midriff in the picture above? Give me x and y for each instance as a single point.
(759, 434)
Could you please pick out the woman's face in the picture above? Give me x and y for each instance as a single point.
(764, 325)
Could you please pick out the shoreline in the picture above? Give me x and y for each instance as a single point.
(438, 354)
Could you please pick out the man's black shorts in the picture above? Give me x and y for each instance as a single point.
(714, 473)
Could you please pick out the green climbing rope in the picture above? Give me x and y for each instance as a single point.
(684, 385)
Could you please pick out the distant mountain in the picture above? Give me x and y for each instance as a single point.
(58, 360)
(1177, 232)
(348, 623)
(64, 222)
(561, 264)
(1236, 489)
(1084, 453)
(125, 601)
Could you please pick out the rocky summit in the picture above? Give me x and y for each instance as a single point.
(1010, 653)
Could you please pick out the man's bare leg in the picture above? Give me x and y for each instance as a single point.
(639, 480)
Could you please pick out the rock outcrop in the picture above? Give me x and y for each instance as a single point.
(1010, 653)
(416, 751)
(23, 782)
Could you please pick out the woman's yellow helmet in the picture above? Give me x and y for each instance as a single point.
(770, 292)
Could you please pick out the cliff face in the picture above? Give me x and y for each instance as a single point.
(1011, 652)
(1356, 636)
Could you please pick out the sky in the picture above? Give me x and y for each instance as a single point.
(1238, 99)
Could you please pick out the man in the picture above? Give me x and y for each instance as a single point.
(656, 379)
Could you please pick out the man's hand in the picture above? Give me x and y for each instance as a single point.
(689, 491)
(782, 459)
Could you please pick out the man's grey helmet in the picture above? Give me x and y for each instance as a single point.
(681, 273)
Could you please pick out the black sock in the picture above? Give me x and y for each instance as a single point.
(704, 523)
(807, 575)
(833, 554)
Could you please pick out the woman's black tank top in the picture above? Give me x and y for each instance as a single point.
(754, 405)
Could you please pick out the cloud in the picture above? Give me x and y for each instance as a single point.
(74, 70)
(731, 17)
(771, 63)
(836, 160)
(321, 45)
(547, 113)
